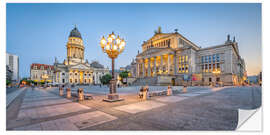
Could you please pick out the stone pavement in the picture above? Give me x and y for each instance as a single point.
(198, 109)
(11, 96)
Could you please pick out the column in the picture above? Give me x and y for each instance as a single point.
(161, 63)
(176, 66)
(137, 69)
(149, 67)
(169, 63)
(143, 67)
(154, 66)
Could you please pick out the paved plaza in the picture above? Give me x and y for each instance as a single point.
(201, 108)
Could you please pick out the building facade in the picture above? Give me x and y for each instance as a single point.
(172, 59)
(98, 71)
(41, 72)
(75, 69)
(12, 61)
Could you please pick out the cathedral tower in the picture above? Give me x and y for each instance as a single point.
(75, 47)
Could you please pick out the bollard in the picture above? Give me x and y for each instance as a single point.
(169, 91)
(144, 95)
(184, 89)
(61, 91)
(145, 91)
(80, 94)
(68, 93)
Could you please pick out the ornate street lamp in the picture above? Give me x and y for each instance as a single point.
(113, 46)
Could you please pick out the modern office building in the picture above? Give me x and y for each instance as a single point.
(12, 61)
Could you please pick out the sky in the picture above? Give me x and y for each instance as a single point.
(38, 32)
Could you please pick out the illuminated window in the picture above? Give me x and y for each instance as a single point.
(183, 58)
(186, 58)
(214, 66)
(206, 67)
(186, 68)
(218, 66)
(209, 66)
(75, 80)
(70, 80)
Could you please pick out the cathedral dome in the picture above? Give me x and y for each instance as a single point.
(75, 33)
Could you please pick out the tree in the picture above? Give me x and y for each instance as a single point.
(106, 79)
(123, 75)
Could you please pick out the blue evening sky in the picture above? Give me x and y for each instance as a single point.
(39, 32)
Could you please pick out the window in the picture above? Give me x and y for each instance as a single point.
(63, 74)
(206, 67)
(63, 80)
(206, 59)
(186, 68)
(214, 58)
(202, 59)
(75, 73)
(217, 55)
(210, 79)
(214, 66)
(218, 79)
(209, 66)
(183, 59)
(75, 80)
(186, 58)
(202, 67)
(218, 66)
(209, 57)
(70, 80)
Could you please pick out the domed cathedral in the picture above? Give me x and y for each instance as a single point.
(75, 69)
(75, 48)
(172, 59)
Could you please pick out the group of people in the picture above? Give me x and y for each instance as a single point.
(143, 89)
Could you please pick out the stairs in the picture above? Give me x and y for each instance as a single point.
(145, 81)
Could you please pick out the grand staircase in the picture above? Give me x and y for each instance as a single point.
(145, 81)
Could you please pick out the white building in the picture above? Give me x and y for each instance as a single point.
(172, 59)
(75, 69)
(12, 61)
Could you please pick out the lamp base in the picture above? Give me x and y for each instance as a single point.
(113, 98)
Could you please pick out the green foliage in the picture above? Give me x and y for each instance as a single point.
(8, 82)
(106, 79)
(124, 74)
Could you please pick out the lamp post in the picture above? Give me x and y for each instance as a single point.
(113, 46)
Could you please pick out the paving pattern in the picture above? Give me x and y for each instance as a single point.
(11, 96)
(75, 122)
(45, 110)
(139, 107)
(171, 99)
